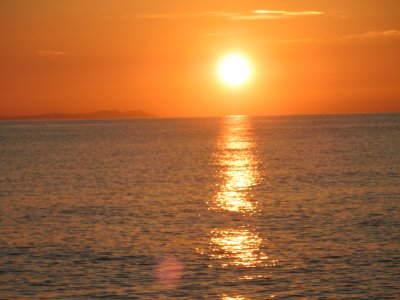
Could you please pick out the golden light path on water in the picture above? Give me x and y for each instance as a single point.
(233, 298)
(237, 246)
(239, 166)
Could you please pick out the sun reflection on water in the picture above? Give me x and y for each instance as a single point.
(237, 248)
(233, 298)
(239, 167)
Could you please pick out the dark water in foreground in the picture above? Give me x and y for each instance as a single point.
(229, 208)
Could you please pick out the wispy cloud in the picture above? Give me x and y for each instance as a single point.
(261, 14)
(287, 13)
(258, 14)
(51, 53)
(375, 35)
(370, 35)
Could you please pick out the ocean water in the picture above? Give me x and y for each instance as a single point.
(215, 208)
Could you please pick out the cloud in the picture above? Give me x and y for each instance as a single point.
(261, 14)
(51, 53)
(289, 41)
(370, 35)
(258, 14)
(287, 13)
(375, 35)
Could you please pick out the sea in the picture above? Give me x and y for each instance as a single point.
(236, 207)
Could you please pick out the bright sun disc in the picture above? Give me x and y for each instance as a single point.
(234, 69)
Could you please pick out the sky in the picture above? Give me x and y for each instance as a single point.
(160, 56)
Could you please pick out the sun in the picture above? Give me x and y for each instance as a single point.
(234, 69)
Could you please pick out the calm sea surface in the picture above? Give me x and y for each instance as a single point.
(220, 208)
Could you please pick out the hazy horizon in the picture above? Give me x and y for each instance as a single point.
(153, 116)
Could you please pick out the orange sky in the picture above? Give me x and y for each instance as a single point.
(310, 56)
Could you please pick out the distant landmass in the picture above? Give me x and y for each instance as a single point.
(105, 114)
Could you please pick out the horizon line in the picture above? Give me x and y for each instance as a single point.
(37, 117)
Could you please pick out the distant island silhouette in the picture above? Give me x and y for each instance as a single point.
(104, 114)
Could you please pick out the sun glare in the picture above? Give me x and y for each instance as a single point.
(234, 69)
